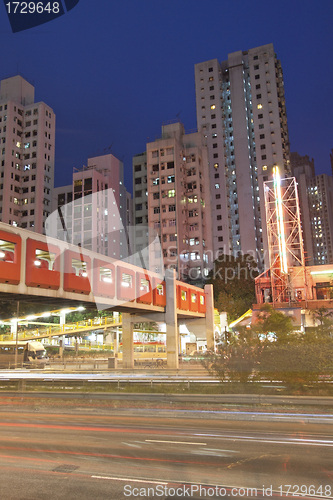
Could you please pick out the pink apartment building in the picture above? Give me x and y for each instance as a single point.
(27, 137)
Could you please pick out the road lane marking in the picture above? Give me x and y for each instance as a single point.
(133, 445)
(174, 442)
(127, 479)
(304, 442)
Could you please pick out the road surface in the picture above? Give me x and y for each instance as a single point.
(93, 455)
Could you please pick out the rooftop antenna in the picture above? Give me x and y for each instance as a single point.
(109, 148)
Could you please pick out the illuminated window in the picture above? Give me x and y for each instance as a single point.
(126, 280)
(144, 286)
(213, 106)
(264, 167)
(259, 106)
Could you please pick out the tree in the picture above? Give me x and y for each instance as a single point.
(233, 282)
(322, 317)
(293, 358)
(271, 320)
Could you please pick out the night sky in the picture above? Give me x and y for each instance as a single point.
(114, 71)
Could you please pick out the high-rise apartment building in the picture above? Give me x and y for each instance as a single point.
(316, 207)
(241, 109)
(27, 137)
(140, 203)
(172, 198)
(94, 209)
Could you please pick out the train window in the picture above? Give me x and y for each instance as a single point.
(160, 289)
(161, 348)
(79, 268)
(126, 280)
(150, 348)
(193, 298)
(184, 295)
(105, 274)
(44, 259)
(7, 249)
(202, 300)
(138, 348)
(144, 285)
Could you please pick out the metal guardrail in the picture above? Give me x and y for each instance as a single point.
(64, 389)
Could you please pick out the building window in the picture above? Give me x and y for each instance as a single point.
(260, 116)
(220, 238)
(263, 157)
(137, 168)
(215, 155)
(258, 96)
(219, 217)
(262, 136)
(219, 228)
(210, 70)
(261, 125)
(218, 207)
(213, 106)
(257, 77)
(217, 196)
(156, 210)
(215, 145)
(255, 58)
(258, 86)
(263, 146)
(256, 66)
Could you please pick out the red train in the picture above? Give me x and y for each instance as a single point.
(83, 273)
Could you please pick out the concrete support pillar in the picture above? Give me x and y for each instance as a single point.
(61, 348)
(128, 350)
(116, 342)
(62, 318)
(171, 319)
(13, 326)
(209, 316)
